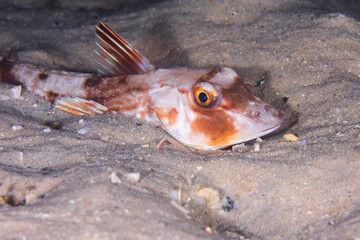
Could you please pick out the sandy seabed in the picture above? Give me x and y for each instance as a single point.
(100, 177)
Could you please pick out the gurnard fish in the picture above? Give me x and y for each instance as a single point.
(204, 109)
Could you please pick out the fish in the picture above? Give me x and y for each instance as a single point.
(204, 109)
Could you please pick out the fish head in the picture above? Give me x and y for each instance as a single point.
(218, 111)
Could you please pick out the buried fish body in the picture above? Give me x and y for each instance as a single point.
(202, 108)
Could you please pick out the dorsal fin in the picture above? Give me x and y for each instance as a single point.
(115, 56)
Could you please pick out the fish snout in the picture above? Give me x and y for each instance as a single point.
(276, 114)
(268, 121)
(260, 119)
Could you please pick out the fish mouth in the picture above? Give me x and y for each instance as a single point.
(268, 130)
(260, 133)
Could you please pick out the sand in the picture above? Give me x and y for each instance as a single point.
(100, 177)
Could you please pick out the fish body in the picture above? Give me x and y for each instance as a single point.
(205, 109)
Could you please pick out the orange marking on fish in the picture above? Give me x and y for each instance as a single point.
(216, 125)
(171, 115)
(182, 91)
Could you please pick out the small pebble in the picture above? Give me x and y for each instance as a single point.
(133, 177)
(145, 146)
(174, 195)
(16, 127)
(309, 212)
(46, 130)
(21, 156)
(257, 147)
(31, 198)
(208, 229)
(340, 134)
(106, 137)
(290, 137)
(239, 147)
(55, 125)
(84, 130)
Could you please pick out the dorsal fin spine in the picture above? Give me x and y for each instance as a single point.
(107, 70)
(104, 57)
(116, 65)
(114, 56)
(114, 49)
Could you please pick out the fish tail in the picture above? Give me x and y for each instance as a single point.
(5, 70)
(50, 84)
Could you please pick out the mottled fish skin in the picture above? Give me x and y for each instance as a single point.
(50, 84)
(204, 109)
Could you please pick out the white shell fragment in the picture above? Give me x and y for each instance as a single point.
(174, 195)
(84, 130)
(46, 130)
(133, 177)
(114, 178)
(257, 147)
(179, 207)
(199, 168)
(16, 91)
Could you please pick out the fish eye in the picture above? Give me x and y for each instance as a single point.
(205, 95)
(202, 97)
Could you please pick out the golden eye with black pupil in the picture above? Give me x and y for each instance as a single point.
(202, 98)
(205, 95)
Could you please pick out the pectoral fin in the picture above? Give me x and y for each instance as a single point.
(114, 56)
(80, 106)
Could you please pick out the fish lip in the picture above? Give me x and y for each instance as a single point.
(254, 135)
(263, 132)
(270, 129)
